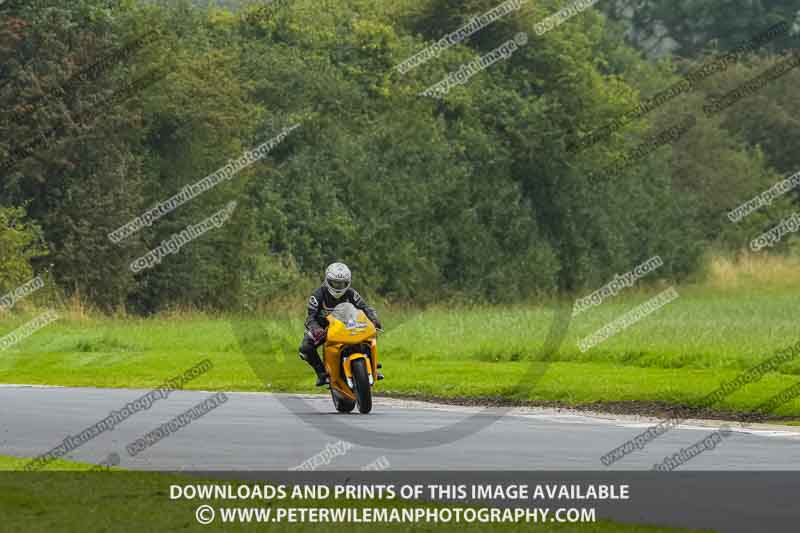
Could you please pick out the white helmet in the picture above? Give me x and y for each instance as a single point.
(337, 279)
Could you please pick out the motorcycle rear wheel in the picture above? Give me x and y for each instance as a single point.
(342, 404)
(363, 388)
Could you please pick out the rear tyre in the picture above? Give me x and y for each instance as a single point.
(342, 404)
(363, 388)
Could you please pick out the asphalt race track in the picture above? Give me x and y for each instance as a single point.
(253, 431)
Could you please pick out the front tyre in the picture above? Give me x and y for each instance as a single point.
(342, 404)
(363, 388)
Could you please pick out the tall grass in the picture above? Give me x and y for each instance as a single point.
(741, 314)
(753, 271)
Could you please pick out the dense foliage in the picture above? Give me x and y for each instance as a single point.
(472, 195)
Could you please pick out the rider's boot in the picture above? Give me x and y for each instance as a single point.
(322, 377)
(315, 362)
(380, 374)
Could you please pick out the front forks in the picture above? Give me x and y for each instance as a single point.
(348, 368)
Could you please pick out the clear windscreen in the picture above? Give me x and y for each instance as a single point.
(345, 312)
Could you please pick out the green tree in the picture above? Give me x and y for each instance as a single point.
(20, 242)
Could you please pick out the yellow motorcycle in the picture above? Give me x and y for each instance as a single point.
(351, 358)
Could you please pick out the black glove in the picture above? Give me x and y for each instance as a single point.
(316, 334)
(377, 323)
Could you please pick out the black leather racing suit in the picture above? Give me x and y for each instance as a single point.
(320, 305)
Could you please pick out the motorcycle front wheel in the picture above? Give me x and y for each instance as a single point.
(363, 388)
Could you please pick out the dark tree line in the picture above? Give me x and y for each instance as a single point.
(475, 195)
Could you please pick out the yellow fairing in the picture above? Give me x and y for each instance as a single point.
(339, 336)
(348, 364)
(362, 331)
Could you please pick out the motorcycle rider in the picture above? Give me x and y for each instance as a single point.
(334, 290)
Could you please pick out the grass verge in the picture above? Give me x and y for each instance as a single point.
(669, 359)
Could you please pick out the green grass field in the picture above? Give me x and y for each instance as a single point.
(120, 501)
(675, 356)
